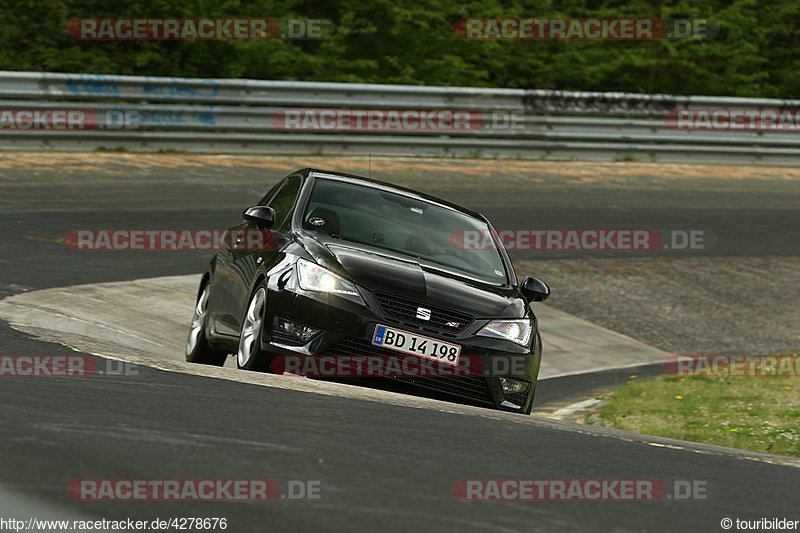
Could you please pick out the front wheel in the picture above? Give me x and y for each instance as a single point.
(250, 355)
(197, 348)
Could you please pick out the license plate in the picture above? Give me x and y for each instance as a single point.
(413, 344)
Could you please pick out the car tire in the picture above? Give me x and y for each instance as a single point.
(197, 348)
(250, 356)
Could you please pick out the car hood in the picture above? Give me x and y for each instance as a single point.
(378, 270)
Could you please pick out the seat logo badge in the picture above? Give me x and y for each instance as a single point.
(453, 324)
(423, 314)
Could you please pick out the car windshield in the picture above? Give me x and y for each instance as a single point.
(405, 225)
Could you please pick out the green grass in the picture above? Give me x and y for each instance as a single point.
(751, 413)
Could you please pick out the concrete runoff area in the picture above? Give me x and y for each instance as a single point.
(150, 318)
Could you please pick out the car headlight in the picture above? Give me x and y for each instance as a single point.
(518, 330)
(312, 277)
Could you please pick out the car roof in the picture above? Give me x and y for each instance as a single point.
(388, 187)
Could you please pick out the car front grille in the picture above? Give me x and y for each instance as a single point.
(472, 388)
(442, 321)
(357, 347)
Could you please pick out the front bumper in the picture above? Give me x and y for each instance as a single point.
(346, 328)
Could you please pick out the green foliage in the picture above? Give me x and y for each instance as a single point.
(412, 42)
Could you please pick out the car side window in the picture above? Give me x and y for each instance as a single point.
(283, 202)
(271, 193)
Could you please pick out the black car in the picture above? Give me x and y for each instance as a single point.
(355, 266)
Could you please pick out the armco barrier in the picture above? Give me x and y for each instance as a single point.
(236, 116)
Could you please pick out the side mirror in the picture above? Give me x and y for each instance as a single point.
(260, 216)
(534, 289)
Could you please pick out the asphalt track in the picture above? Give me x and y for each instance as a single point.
(381, 466)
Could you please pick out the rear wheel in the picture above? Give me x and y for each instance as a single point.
(250, 355)
(197, 348)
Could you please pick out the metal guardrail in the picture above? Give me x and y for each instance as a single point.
(235, 116)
